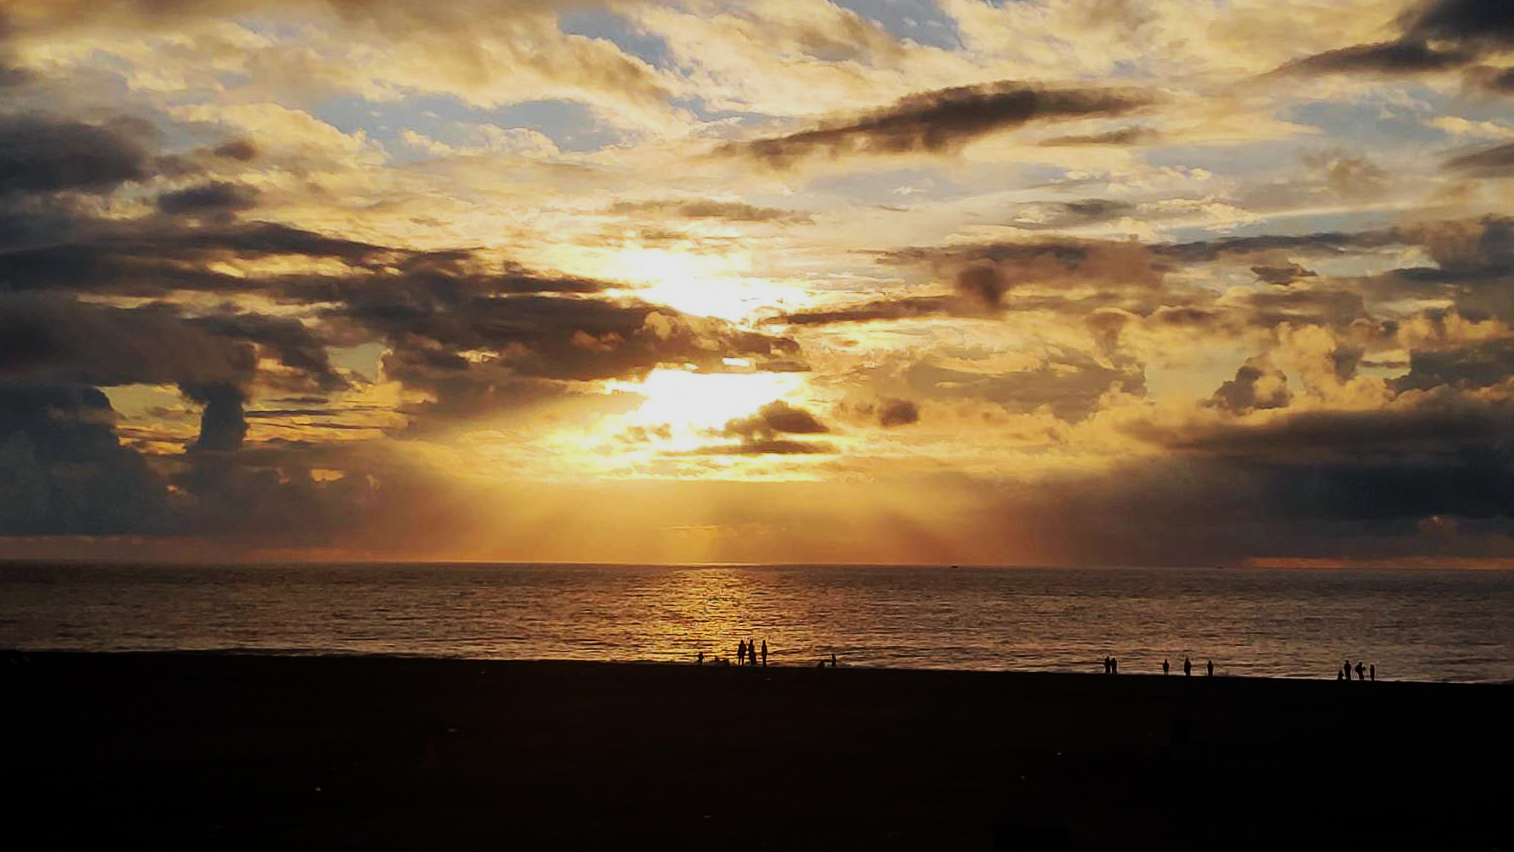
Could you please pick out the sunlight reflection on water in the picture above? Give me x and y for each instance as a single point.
(1415, 625)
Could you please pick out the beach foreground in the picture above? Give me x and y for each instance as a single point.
(219, 751)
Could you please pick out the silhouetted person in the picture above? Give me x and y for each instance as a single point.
(1187, 666)
(741, 652)
(1372, 669)
(1339, 675)
(764, 653)
(1106, 664)
(1164, 667)
(1211, 668)
(833, 659)
(1347, 669)
(701, 658)
(1361, 671)
(1114, 666)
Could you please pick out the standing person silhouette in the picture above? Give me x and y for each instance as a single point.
(1114, 666)
(1347, 669)
(1187, 666)
(741, 652)
(701, 658)
(1211, 668)
(833, 659)
(764, 653)
(1361, 671)
(1164, 667)
(1372, 669)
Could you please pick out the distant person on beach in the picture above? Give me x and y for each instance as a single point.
(1164, 667)
(1361, 671)
(1106, 664)
(833, 659)
(741, 652)
(1187, 666)
(701, 658)
(1372, 669)
(1338, 675)
(1114, 665)
(1347, 669)
(764, 653)
(1211, 668)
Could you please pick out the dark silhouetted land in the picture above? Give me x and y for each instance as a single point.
(327, 753)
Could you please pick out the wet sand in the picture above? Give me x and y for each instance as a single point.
(210, 751)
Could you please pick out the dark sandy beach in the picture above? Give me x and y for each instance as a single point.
(219, 751)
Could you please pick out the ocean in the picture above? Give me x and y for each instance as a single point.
(1424, 625)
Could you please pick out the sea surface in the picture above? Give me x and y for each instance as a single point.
(1426, 625)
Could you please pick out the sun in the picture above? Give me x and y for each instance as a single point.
(691, 403)
(706, 285)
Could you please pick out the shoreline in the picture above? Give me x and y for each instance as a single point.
(246, 751)
(13, 654)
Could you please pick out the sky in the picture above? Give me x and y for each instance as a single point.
(1051, 282)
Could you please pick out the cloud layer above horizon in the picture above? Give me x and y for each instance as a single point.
(1055, 281)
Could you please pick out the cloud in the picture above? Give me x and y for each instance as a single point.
(1497, 161)
(1257, 385)
(1123, 136)
(222, 425)
(218, 199)
(63, 471)
(1056, 215)
(898, 412)
(763, 433)
(777, 417)
(731, 211)
(1437, 36)
(1396, 57)
(941, 121)
(1282, 275)
(46, 154)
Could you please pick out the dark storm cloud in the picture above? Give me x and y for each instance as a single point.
(941, 121)
(46, 154)
(53, 339)
(1496, 80)
(222, 424)
(1436, 36)
(217, 198)
(1395, 57)
(1214, 509)
(1487, 23)
(1120, 137)
(732, 211)
(1422, 427)
(1497, 161)
(63, 471)
(898, 412)
(1474, 365)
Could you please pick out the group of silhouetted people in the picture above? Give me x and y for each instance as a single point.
(1362, 673)
(746, 653)
(750, 653)
(1112, 666)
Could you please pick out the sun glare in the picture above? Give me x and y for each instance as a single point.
(702, 285)
(693, 401)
